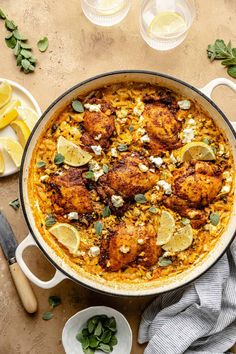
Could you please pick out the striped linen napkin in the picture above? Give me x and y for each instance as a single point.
(199, 319)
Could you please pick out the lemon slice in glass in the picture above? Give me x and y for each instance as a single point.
(8, 113)
(166, 228)
(73, 154)
(29, 116)
(180, 240)
(22, 131)
(166, 24)
(196, 150)
(2, 165)
(13, 148)
(109, 7)
(5, 93)
(67, 235)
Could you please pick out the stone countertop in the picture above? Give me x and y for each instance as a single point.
(78, 49)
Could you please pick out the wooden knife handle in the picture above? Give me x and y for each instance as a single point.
(23, 288)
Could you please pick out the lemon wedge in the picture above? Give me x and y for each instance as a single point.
(2, 166)
(167, 23)
(13, 148)
(22, 131)
(67, 235)
(196, 150)
(73, 154)
(5, 93)
(166, 228)
(180, 240)
(29, 116)
(8, 113)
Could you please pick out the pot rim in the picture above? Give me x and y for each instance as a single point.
(142, 292)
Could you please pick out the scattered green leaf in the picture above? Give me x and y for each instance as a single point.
(185, 221)
(206, 141)
(105, 168)
(220, 51)
(163, 261)
(153, 210)
(214, 218)
(59, 159)
(54, 301)
(77, 106)
(47, 315)
(50, 220)
(113, 341)
(98, 329)
(140, 198)
(106, 336)
(15, 204)
(131, 128)
(41, 164)
(106, 211)
(105, 348)
(89, 175)
(98, 225)
(122, 147)
(43, 44)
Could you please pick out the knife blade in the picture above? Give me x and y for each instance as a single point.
(8, 244)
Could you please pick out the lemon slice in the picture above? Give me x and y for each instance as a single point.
(2, 166)
(29, 116)
(166, 228)
(109, 7)
(196, 150)
(73, 154)
(22, 131)
(180, 240)
(13, 148)
(5, 93)
(8, 113)
(167, 23)
(67, 235)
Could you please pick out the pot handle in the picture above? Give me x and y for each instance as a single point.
(208, 88)
(57, 278)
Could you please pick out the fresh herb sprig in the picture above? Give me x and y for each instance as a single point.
(220, 51)
(15, 204)
(53, 301)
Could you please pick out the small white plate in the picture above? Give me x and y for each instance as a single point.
(26, 98)
(77, 322)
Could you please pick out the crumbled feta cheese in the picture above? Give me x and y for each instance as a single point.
(73, 215)
(122, 120)
(225, 189)
(185, 104)
(93, 107)
(140, 241)
(139, 108)
(98, 137)
(96, 168)
(157, 161)
(97, 149)
(166, 186)
(124, 249)
(226, 175)
(221, 150)
(122, 113)
(75, 131)
(117, 201)
(98, 174)
(141, 131)
(43, 178)
(145, 139)
(81, 253)
(94, 251)
(142, 167)
(114, 152)
(173, 159)
(188, 135)
(191, 121)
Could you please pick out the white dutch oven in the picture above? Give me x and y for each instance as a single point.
(63, 271)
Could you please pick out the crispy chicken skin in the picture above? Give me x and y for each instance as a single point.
(70, 193)
(126, 179)
(98, 126)
(128, 244)
(196, 184)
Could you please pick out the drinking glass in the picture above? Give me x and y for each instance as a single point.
(164, 24)
(105, 12)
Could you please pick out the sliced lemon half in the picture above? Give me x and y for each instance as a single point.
(5, 93)
(109, 7)
(197, 150)
(180, 240)
(2, 165)
(8, 113)
(29, 116)
(13, 148)
(22, 131)
(166, 228)
(67, 235)
(167, 23)
(73, 154)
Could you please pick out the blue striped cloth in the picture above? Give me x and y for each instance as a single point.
(199, 319)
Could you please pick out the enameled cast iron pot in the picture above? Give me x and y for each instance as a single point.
(63, 271)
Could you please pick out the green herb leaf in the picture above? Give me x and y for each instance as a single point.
(17, 49)
(26, 53)
(232, 71)
(111, 324)
(19, 60)
(10, 42)
(93, 342)
(122, 147)
(2, 15)
(219, 50)
(25, 45)
(98, 225)
(131, 128)
(47, 316)
(89, 351)
(43, 44)
(59, 159)
(229, 62)
(113, 341)
(153, 210)
(50, 220)
(214, 218)
(25, 64)
(104, 347)
(33, 60)
(106, 336)
(91, 325)
(89, 175)
(10, 25)
(41, 164)
(206, 141)
(54, 301)
(79, 336)
(85, 343)
(105, 168)
(98, 330)
(85, 332)
(15, 204)
(77, 106)
(163, 261)
(106, 211)
(140, 198)
(19, 36)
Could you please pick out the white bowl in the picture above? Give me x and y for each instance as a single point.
(26, 98)
(77, 322)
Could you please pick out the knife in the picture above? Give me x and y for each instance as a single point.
(8, 244)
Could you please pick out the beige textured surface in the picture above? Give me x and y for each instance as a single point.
(77, 51)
